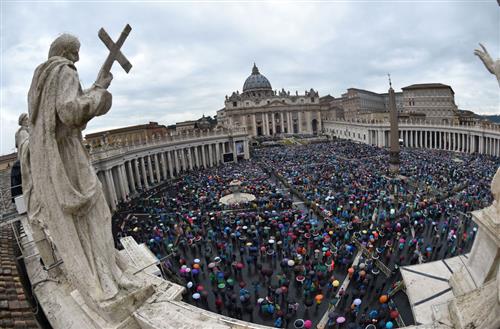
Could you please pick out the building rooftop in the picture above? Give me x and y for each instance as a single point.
(428, 86)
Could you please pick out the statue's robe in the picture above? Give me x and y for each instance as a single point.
(78, 217)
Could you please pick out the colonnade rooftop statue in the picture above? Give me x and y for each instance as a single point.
(69, 196)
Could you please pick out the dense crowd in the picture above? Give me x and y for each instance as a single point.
(277, 262)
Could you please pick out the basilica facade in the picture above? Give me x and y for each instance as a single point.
(267, 112)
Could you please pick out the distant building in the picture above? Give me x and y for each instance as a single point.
(7, 161)
(126, 135)
(435, 100)
(264, 112)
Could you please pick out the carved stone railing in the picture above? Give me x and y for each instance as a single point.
(108, 151)
(487, 127)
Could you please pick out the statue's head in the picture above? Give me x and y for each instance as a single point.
(23, 120)
(67, 46)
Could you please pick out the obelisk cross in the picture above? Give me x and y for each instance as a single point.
(114, 50)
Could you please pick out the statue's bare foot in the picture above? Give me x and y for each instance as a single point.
(125, 282)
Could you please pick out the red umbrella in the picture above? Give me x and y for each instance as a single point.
(394, 314)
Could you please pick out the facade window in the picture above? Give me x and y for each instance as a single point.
(235, 104)
(312, 99)
(268, 102)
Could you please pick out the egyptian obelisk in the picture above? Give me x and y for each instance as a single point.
(394, 152)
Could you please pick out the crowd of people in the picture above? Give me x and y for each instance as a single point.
(282, 259)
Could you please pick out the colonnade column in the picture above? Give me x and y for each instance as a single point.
(290, 122)
(144, 175)
(157, 167)
(203, 157)
(163, 165)
(124, 181)
(111, 188)
(131, 176)
(137, 173)
(170, 164)
(196, 157)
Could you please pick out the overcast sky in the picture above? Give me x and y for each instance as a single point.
(187, 56)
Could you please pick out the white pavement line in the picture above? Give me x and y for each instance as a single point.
(322, 323)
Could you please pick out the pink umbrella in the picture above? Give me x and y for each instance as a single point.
(340, 319)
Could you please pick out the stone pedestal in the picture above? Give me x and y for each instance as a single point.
(483, 261)
(476, 284)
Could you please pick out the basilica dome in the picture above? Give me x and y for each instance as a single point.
(256, 81)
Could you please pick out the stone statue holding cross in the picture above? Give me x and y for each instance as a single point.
(63, 178)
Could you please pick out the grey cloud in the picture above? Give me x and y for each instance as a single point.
(187, 57)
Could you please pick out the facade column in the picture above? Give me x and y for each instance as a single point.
(320, 123)
(217, 153)
(290, 122)
(157, 167)
(144, 174)
(274, 123)
(254, 125)
(210, 156)
(420, 138)
(190, 158)
(131, 176)
(235, 154)
(170, 164)
(263, 115)
(299, 122)
(282, 123)
(247, 149)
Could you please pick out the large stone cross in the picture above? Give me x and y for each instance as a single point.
(114, 50)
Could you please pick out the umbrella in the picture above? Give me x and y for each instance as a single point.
(383, 299)
(196, 296)
(190, 285)
(200, 288)
(394, 314)
(307, 324)
(373, 314)
(340, 319)
(389, 325)
(299, 323)
(211, 265)
(357, 302)
(291, 262)
(336, 283)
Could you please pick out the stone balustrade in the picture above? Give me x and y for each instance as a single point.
(482, 138)
(125, 170)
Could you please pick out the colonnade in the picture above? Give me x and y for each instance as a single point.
(144, 169)
(458, 138)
